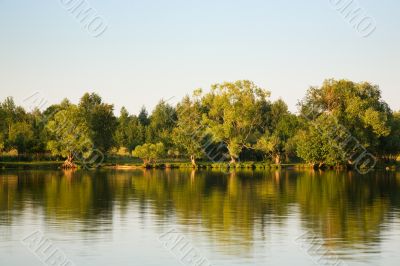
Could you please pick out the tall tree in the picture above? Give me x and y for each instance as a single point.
(189, 132)
(100, 120)
(21, 136)
(38, 122)
(276, 141)
(355, 107)
(69, 136)
(234, 113)
(1, 143)
(162, 122)
(144, 117)
(390, 145)
(129, 132)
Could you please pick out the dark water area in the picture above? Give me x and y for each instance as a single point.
(291, 217)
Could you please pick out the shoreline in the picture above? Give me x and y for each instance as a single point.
(55, 165)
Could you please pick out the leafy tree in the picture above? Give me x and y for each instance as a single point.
(189, 131)
(50, 111)
(37, 122)
(129, 132)
(3, 128)
(277, 139)
(144, 117)
(356, 107)
(15, 127)
(9, 117)
(1, 143)
(9, 112)
(149, 152)
(100, 120)
(271, 144)
(316, 144)
(162, 122)
(390, 145)
(102, 127)
(21, 136)
(121, 135)
(69, 136)
(234, 113)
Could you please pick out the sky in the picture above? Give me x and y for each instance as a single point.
(158, 49)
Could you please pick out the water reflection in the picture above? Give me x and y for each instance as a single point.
(235, 213)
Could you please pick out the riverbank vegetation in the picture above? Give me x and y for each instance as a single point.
(338, 124)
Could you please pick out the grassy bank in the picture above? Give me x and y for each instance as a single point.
(30, 165)
(206, 165)
(137, 164)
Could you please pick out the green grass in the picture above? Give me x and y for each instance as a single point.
(165, 164)
(131, 163)
(31, 165)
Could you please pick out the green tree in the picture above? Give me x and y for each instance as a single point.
(129, 132)
(357, 108)
(69, 136)
(162, 122)
(38, 122)
(390, 145)
(9, 112)
(3, 128)
(149, 152)
(144, 117)
(316, 144)
(189, 131)
(15, 127)
(21, 136)
(276, 141)
(234, 114)
(1, 143)
(100, 120)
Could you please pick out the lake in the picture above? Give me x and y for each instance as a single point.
(175, 217)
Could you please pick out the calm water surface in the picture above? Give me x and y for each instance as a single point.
(242, 218)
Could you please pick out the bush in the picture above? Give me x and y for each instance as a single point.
(149, 152)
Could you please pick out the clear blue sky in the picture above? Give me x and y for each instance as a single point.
(162, 49)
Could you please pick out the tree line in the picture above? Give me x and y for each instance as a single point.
(336, 124)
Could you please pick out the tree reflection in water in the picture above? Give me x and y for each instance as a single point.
(237, 209)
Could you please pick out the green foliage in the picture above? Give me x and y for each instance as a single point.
(21, 136)
(271, 145)
(100, 120)
(69, 135)
(149, 152)
(357, 107)
(162, 122)
(130, 132)
(189, 131)
(277, 140)
(20, 130)
(234, 113)
(237, 118)
(1, 143)
(317, 144)
(390, 145)
(144, 117)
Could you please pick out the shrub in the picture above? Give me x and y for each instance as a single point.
(149, 152)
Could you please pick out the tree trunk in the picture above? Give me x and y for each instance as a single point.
(233, 160)
(193, 160)
(278, 159)
(146, 163)
(69, 162)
